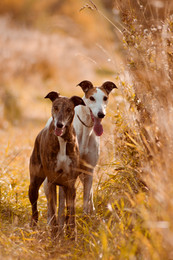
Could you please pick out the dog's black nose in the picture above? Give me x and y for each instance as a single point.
(101, 115)
(59, 125)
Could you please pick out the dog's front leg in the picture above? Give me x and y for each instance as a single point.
(88, 193)
(70, 217)
(87, 179)
(61, 210)
(50, 191)
(83, 145)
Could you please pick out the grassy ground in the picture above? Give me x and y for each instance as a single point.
(133, 180)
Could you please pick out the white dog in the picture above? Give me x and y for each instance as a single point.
(88, 127)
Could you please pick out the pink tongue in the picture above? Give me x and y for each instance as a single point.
(98, 128)
(58, 131)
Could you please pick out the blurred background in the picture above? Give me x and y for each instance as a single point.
(52, 45)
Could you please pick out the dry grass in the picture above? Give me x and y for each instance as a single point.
(149, 48)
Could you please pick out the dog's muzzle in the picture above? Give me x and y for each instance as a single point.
(59, 129)
(101, 115)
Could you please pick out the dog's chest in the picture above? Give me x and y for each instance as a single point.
(63, 160)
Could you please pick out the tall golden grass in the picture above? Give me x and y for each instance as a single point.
(148, 42)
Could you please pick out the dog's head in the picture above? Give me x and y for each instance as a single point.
(96, 99)
(63, 111)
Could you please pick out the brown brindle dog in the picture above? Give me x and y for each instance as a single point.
(56, 158)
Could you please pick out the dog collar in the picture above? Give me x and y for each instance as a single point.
(89, 126)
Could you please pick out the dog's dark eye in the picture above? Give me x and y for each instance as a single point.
(105, 98)
(68, 110)
(56, 108)
(92, 98)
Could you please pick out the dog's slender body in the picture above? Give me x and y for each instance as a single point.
(56, 158)
(87, 124)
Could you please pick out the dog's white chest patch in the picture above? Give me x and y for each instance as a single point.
(63, 160)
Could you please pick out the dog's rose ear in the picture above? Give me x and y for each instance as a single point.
(77, 101)
(85, 85)
(52, 95)
(108, 86)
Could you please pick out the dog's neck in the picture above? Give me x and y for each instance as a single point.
(84, 116)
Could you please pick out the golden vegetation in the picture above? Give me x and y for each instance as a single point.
(133, 183)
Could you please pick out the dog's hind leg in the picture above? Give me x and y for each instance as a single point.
(37, 177)
(35, 183)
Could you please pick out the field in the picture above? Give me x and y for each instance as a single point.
(54, 45)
